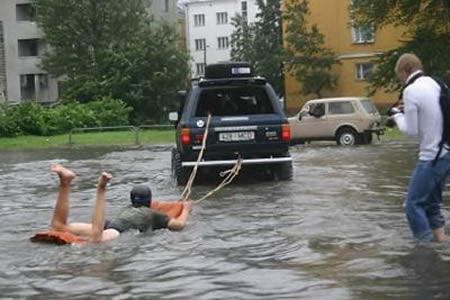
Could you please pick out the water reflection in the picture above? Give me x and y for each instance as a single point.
(337, 231)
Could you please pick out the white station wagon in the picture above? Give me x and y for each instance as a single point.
(348, 121)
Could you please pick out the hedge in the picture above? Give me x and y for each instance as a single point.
(30, 118)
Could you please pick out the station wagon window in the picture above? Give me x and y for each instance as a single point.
(242, 100)
(368, 106)
(340, 108)
(317, 109)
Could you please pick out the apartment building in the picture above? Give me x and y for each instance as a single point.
(165, 10)
(209, 29)
(21, 48)
(356, 48)
(22, 45)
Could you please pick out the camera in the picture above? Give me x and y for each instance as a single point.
(393, 110)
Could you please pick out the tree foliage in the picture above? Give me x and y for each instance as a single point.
(113, 48)
(261, 43)
(307, 58)
(427, 34)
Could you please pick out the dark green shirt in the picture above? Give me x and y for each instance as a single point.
(140, 218)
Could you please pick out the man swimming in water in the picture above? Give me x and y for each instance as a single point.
(137, 216)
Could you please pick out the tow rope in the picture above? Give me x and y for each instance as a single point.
(228, 174)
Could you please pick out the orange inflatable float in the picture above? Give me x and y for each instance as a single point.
(172, 209)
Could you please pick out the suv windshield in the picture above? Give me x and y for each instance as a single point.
(368, 106)
(229, 101)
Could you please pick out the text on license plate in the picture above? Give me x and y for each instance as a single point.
(236, 136)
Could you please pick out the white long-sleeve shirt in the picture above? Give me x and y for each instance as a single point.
(422, 115)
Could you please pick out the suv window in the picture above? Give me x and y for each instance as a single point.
(242, 100)
(340, 108)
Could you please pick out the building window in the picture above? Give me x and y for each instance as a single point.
(199, 20)
(34, 87)
(200, 69)
(27, 87)
(363, 34)
(222, 18)
(363, 71)
(244, 11)
(200, 44)
(25, 12)
(31, 47)
(222, 42)
(166, 5)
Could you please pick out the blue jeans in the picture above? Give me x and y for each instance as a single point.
(424, 201)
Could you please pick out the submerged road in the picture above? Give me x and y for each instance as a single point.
(336, 231)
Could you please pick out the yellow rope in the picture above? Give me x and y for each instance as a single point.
(228, 174)
(188, 188)
(232, 173)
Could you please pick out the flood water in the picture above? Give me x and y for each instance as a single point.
(336, 231)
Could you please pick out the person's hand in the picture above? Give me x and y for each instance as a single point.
(395, 110)
(188, 205)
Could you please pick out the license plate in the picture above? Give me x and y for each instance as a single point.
(236, 136)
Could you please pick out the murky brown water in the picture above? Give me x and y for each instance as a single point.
(337, 231)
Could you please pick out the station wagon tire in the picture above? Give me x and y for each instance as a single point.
(180, 174)
(283, 171)
(347, 137)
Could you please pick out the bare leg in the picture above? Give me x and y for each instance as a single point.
(98, 216)
(61, 212)
(439, 235)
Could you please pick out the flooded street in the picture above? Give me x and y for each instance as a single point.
(336, 231)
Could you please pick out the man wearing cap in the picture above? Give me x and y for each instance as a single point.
(138, 215)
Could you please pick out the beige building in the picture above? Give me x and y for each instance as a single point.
(356, 48)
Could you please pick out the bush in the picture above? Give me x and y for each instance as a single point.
(110, 112)
(8, 124)
(34, 119)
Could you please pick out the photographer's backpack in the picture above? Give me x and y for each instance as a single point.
(444, 102)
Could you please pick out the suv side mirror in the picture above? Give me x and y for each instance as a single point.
(173, 116)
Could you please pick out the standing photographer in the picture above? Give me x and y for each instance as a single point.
(420, 115)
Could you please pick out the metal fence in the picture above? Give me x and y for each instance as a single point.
(136, 130)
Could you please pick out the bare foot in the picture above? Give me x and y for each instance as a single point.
(65, 175)
(103, 180)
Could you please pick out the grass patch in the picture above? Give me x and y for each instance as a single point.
(89, 139)
(393, 134)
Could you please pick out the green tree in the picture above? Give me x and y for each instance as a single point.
(242, 40)
(113, 48)
(261, 43)
(307, 59)
(426, 25)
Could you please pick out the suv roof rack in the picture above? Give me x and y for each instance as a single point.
(228, 70)
(231, 81)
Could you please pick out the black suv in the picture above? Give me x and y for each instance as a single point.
(247, 122)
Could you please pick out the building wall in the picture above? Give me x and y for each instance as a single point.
(13, 31)
(3, 93)
(333, 20)
(164, 10)
(212, 31)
